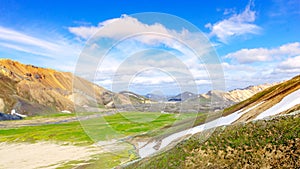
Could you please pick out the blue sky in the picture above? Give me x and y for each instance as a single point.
(256, 41)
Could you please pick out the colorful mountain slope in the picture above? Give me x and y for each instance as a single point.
(34, 90)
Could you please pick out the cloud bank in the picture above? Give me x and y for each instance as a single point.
(52, 51)
(264, 54)
(236, 25)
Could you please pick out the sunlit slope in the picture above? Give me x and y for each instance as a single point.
(35, 90)
(279, 99)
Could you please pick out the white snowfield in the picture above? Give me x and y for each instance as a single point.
(286, 103)
(148, 148)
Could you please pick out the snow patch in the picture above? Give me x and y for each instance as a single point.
(66, 111)
(147, 149)
(286, 103)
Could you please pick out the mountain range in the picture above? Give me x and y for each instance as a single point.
(235, 95)
(34, 90)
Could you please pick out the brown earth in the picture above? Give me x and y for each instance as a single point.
(34, 90)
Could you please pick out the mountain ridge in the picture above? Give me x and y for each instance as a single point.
(235, 95)
(34, 90)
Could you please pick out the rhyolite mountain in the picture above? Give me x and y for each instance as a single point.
(134, 98)
(34, 90)
(217, 99)
(237, 95)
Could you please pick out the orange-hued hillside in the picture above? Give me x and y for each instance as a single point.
(34, 90)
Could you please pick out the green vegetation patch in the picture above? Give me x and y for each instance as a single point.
(125, 124)
(65, 132)
(130, 123)
(99, 129)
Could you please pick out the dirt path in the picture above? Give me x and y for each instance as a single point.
(42, 155)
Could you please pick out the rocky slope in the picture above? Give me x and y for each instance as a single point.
(236, 95)
(214, 99)
(35, 90)
(134, 98)
(278, 99)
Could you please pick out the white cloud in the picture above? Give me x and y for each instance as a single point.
(87, 31)
(290, 65)
(202, 82)
(144, 70)
(55, 49)
(238, 67)
(145, 46)
(236, 25)
(152, 80)
(22, 48)
(285, 67)
(151, 34)
(17, 37)
(265, 54)
(116, 28)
